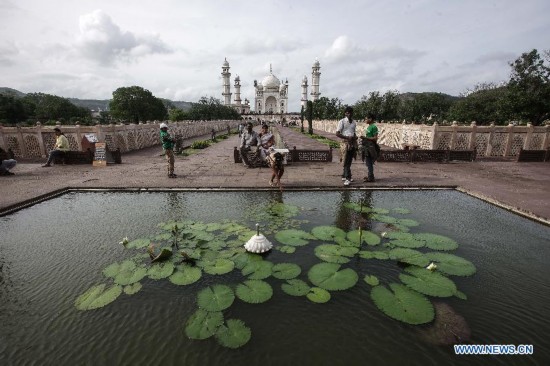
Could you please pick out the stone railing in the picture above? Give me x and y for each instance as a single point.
(36, 142)
(488, 141)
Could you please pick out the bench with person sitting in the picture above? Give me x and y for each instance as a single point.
(7, 162)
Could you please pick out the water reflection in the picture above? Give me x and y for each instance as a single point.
(348, 219)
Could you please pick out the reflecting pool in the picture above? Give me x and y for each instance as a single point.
(53, 253)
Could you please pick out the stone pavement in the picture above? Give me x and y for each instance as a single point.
(524, 187)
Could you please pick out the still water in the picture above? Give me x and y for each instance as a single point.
(53, 252)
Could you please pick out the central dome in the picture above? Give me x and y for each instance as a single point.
(271, 81)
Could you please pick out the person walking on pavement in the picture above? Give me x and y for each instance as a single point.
(346, 131)
(168, 147)
(370, 146)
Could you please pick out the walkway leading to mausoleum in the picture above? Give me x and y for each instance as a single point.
(521, 186)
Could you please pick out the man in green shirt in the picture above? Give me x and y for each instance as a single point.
(371, 152)
(168, 146)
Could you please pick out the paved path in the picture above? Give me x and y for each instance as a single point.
(522, 186)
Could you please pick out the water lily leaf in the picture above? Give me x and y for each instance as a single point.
(185, 274)
(213, 226)
(410, 242)
(448, 327)
(286, 249)
(380, 210)
(163, 236)
(164, 254)
(407, 222)
(295, 287)
(403, 304)
(328, 233)
(283, 210)
(329, 277)
(344, 242)
(129, 272)
(160, 270)
(367, 254)
(335, 253)
(293, 237)
(286, 271)
(219, 266)
(132, 289)
(410, 256)
(215, 298)
(318, 295)
(397, 235)
(357, 207)
(254, 291)
(138, 243)
(401, 210)
(384, 218)
(241, 260)
(452, 264)
(257, 270)
(111, 270)
(427, 282)
(461, 295)
(203, 324)
(234, 334)
(437, 242)
(97, 297)
(366, 237)
(372, 280)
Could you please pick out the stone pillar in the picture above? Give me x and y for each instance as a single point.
(452, 144)
(22, 144)
(509, 139)
(490, 139)
(78, 137)
(43, 152)
(546, 142)
(528, 136)
(435, 127)
(472, 144)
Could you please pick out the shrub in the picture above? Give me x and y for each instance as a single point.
(200, 144)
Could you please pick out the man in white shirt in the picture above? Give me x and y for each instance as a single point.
(249, 138)
(346, 131)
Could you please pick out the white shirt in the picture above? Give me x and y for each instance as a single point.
(346, 129)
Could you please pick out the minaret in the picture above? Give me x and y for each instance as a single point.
(315, 75)
(304, 91)
(226, 87)
(238, 92)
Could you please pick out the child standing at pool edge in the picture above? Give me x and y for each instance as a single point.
(168, 146)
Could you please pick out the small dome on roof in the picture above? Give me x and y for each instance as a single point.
(225, 63)
(271, 81)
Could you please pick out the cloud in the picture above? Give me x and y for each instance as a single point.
(250, 46)
(103, 41)
(8, 51)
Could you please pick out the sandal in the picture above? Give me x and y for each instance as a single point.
(271, 183)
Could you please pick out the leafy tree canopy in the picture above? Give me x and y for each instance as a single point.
(136, 104)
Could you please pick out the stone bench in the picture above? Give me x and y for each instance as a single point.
(75, 157)
(534, 155)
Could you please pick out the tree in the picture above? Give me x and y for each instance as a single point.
(309, 115)
(210, 108)
(486, 103)
(12, 110)
(325, 108)
(46, 107)
(529, 87)
(371, 104)
(136, 104)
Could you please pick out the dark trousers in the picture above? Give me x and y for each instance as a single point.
(53, 154)
(370, 166)
(348, 157)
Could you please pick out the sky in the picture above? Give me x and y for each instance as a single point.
(175, 49)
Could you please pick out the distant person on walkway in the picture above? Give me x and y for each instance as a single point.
(370, 145)
(240, 128)
(6, 164)
(213, 135)
(59, 149)
(168, 147)
(346, 131)
(249, 139)
(267, 140)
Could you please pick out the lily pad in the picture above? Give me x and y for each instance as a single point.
(185, 274)
(219, 266)
(366, 237)
(380, 210)
(296, 238)
(329, 277)
(129, 273)
(203, 324)
(328, 233)
(437, 242)
(295, 287)
(409, 242)
(111, 270)
(384, 218)
(97, 296)
(160, 270)
(164, 254)
(286, 249)
(254, 291)
(286, 271)
(138, 243)
(402, 303)
(407, 222)
(335, 253)
(372, 280)
(428, 282)
(234, 334)
(215, 298)
(132, 289)
(376, 254)
(410, 256)
(318, 295)
(452, 264)
(257, 270)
